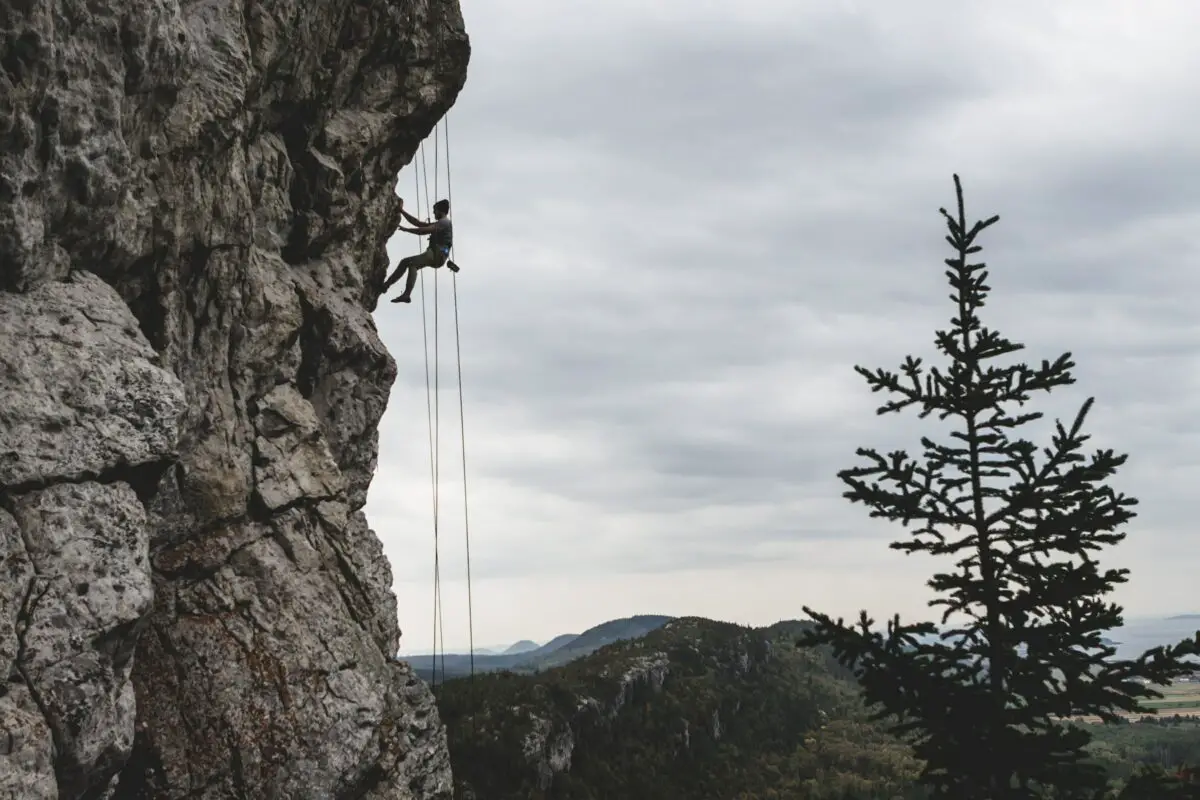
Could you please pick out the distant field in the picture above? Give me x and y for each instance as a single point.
(1176, 698)
(1182, 699)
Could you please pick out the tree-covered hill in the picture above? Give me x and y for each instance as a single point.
(696, 710)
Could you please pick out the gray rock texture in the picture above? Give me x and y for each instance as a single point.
(194, 202)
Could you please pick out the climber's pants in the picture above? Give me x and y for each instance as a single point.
(429, 258)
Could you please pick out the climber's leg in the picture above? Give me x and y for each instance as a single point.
(398, 273)
(406, 295)
(430, 258)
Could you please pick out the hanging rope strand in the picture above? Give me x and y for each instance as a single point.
(428, 409)
(432, 406)
(437, 424)
(462, 420)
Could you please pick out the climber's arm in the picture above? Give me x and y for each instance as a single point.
(421, 230)
(411, 218)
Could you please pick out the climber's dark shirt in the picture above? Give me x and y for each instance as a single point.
(442, 237)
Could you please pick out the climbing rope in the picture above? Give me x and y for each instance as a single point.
(433, 412)
(462, 417)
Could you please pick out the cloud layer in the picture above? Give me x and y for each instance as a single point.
(682, 223)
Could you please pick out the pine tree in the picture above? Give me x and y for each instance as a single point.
(986, 700)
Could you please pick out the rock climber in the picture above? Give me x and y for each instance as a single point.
(441, 238)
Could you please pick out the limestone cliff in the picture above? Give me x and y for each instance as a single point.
(194, 201)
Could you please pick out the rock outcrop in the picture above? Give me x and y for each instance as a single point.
(194, 201)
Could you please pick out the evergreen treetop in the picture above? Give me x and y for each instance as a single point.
(987, 700)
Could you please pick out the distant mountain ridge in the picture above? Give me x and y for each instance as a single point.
(568, 647)
(560, 650)
(591, 640)
(559, 641)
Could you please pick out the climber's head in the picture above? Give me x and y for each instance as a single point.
(441, 208)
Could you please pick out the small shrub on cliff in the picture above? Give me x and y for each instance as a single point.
(983, 701)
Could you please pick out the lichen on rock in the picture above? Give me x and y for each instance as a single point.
(194, 202)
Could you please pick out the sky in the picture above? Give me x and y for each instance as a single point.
(682, 223)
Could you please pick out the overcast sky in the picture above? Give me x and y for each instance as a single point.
(681, 223)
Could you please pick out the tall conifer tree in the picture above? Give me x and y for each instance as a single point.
(985, 700)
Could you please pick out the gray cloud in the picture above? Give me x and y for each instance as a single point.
(682, 225)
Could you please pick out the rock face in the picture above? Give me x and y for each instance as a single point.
(194, 201)
(88, 417)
